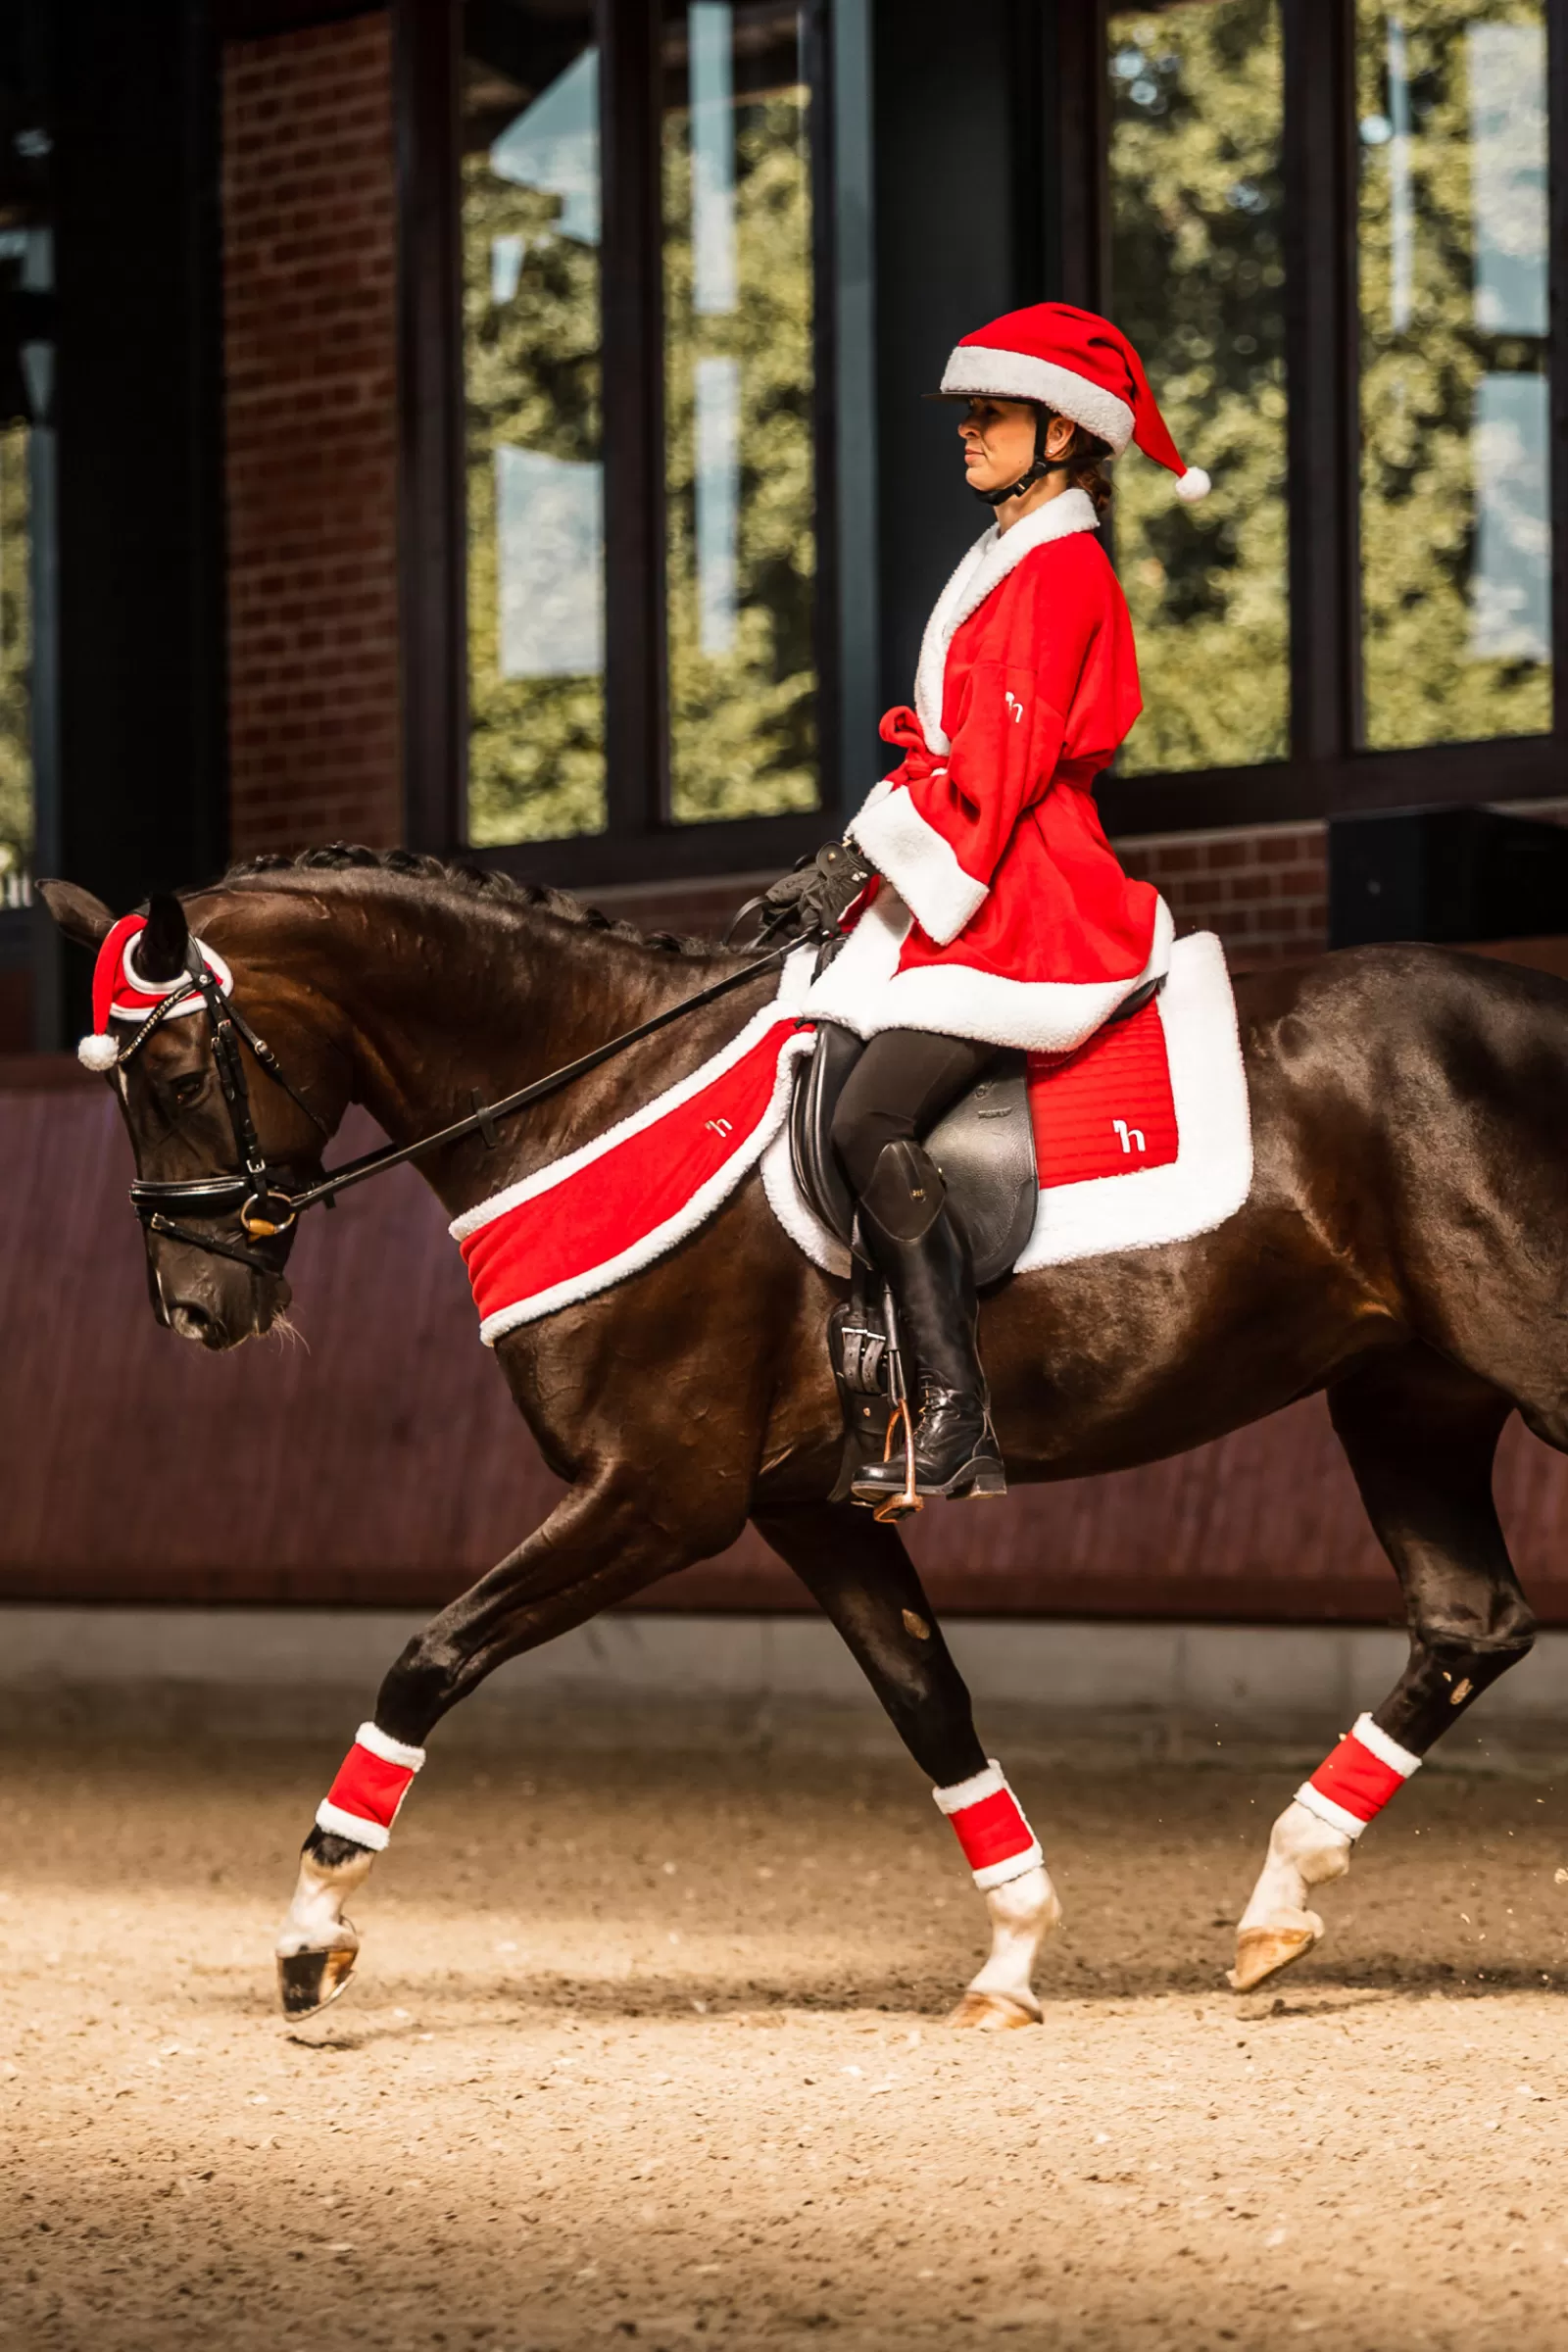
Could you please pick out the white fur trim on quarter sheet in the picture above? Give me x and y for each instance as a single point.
(1387, 1751)
(973, 1791)
(1212, 1177)
(794, 1213)
(985, 567)
(702, 1203)
(920, 863)
(352, 1825)
(1351, 1824)
(391, 1751)
(975, 369)
(863, 988)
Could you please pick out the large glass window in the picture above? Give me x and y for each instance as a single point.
(531, 215)
(1456, 491)
(740, 483)
(1196, 282)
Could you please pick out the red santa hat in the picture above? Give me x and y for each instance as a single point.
(1079, 364)
(121, 992)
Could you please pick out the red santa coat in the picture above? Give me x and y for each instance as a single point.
(1003, 912)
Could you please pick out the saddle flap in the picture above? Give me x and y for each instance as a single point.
(819, 1081)
(985, 1147)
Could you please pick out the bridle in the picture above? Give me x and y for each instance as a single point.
(266, 1208)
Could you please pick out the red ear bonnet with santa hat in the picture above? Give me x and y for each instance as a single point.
(121, 993)
(1078, 364)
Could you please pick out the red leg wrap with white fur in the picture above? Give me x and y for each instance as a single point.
(996, 1840)
(1356, 1779)
(372, 1779)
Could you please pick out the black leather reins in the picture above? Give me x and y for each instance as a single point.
(267, 1211)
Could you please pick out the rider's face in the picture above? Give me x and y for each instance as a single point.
(998, 441)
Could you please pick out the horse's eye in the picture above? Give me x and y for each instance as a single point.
(185, 1090)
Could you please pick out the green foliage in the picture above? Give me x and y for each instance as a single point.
(742, 724)
(1419, 381)
(15, 664)
(536, 754)
(1197, 273)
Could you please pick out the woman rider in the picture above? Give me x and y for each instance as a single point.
(985, 908)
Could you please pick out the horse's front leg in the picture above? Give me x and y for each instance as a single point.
(864, 1582)
(602, 1541)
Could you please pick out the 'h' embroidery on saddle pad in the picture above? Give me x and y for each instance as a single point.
(1145, 1135)
(1142, 1136)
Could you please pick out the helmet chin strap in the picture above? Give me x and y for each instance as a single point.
(1040, 466)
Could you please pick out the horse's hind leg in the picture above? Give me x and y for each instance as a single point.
(864, 1582)
(1420, 1436)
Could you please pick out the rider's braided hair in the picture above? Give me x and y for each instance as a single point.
(1085, 456)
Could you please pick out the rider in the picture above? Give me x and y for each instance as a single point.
(984, 905)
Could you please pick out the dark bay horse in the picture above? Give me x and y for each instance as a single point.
(1403, 1248)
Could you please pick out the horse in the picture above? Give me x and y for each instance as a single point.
(1401, 1248)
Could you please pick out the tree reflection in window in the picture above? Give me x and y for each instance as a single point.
(1197, 279)
(1456, 498)
(739, 388)
(531, 362)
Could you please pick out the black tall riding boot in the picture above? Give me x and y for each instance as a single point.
(915, 1247)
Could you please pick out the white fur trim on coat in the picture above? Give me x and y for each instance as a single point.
(863, 988)
(919, 862)
(976, 369)
(1212, 1177)
(985, 567)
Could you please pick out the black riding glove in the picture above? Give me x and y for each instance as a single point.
(817, 895)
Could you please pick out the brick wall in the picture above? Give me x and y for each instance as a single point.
(310, 228)
(1265, 892)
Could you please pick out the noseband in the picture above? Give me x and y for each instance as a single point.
(266, 1210)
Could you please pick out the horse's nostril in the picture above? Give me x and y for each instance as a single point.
(192, 1322)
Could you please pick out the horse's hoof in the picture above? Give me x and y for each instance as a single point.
(1263, 1951)
(992, 2013)
(310, 1982)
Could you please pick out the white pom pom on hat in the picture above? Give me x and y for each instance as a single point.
(97, 1052)
(1193, 486)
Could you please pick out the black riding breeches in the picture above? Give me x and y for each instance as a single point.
(898, 1090)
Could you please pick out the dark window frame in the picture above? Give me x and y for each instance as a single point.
(1326, 774)
(641, 844)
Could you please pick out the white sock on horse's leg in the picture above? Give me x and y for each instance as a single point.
(357, 1813)
(1310, 1844)
(1010, 1870)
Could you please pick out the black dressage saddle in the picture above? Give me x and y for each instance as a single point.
(984, 1147)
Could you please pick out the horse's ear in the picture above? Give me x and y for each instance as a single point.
(80, 915)
(160, 947)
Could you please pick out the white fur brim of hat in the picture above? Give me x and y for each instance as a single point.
(1015, 376)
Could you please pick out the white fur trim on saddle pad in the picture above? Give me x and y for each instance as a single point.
(1208, 1182)
(864, 989)
(1211, 1174)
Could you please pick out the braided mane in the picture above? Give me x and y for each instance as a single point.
(465, 879)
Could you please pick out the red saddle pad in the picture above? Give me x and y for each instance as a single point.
(1105, 1109)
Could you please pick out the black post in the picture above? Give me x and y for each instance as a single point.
(141, 796)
